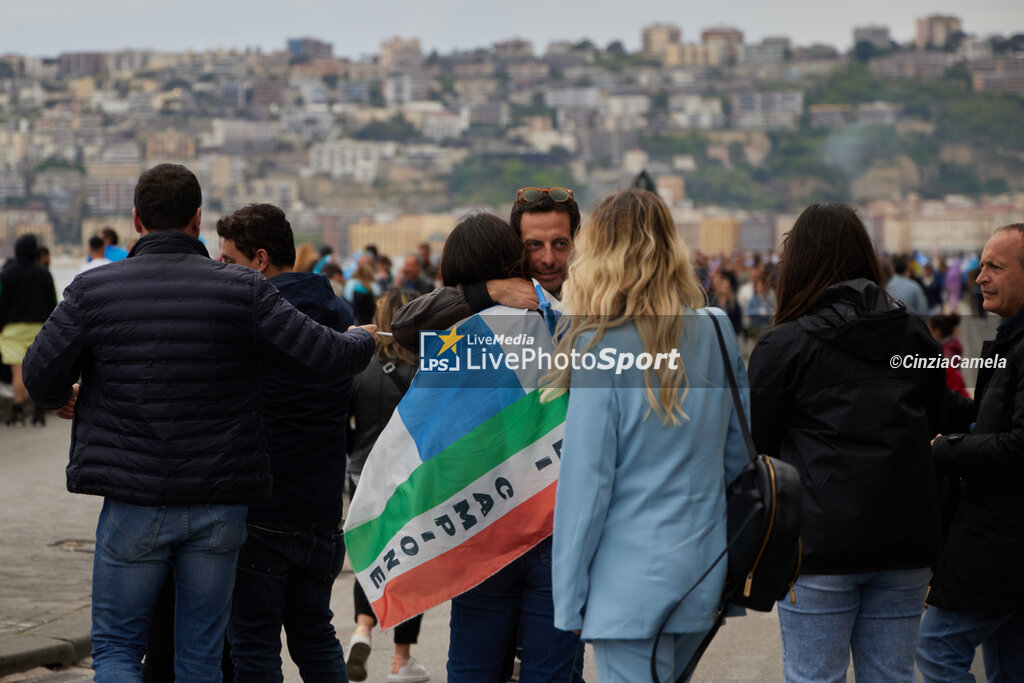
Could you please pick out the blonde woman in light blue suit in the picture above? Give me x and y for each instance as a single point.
(640, 511)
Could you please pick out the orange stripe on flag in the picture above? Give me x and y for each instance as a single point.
(470, 563)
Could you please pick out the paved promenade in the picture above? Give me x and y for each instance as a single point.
(46, 569)
(46, 561)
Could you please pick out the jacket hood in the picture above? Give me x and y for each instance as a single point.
(310, 293)
(858, 317)
(26, 250)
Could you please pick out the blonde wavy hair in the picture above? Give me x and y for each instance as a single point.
(306, 257)
(630, 265)
(364, 273)
(388, 304)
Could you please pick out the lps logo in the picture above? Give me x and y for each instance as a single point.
(439, 352)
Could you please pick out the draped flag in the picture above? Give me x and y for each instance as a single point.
(462, 480)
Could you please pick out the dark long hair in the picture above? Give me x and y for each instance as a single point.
(481, 247)
(828, 244)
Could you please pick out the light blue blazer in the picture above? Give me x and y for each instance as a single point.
(640, 511)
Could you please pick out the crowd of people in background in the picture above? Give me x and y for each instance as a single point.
(363, 277)
(927, 285)
(742, 285)
(359, 280)
(215, 380)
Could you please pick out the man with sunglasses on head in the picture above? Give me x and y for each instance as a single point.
(547, 220)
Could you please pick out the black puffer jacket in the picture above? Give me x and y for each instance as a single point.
(825, 398)
(981, 565)
(171, 347)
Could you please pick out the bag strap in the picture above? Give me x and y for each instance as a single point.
(389, 371)
(691, 666)
(742, 416)
(720, 615)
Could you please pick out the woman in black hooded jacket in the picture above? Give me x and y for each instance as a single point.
(830, 394)
(27, 297)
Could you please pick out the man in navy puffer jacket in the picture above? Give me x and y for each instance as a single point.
(171, 347)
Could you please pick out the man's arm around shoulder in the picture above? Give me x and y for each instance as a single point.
(286, 333)
(438, 310)
(446, 306)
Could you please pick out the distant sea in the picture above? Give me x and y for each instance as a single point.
(64, 271)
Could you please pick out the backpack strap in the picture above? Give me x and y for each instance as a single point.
(744, 426)
(389, 371)
(720, 615)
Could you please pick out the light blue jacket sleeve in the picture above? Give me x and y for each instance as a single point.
(584, 490)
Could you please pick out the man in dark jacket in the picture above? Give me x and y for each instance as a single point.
(977, 596)
(171, 347)
(294, 549)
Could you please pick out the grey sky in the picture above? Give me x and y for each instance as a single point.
(48, 27)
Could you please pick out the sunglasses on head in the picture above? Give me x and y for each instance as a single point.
(533, 194)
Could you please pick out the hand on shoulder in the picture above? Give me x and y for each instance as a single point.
(514, 292)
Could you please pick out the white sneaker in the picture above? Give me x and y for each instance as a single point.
(409, 672)
(358, 652)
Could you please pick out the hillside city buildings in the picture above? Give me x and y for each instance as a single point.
(359, 151)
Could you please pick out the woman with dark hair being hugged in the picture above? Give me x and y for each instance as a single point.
(485, 620)
(831, 394)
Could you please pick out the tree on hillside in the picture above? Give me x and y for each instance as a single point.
(616, 50)
(492, 182)
(398, 128)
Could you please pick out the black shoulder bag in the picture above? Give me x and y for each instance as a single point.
(763, 521)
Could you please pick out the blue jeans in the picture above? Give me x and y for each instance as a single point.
(484, 622)
(629, 661)
(948, 641)
(285, 576)
(135, 547)
(874, 615)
